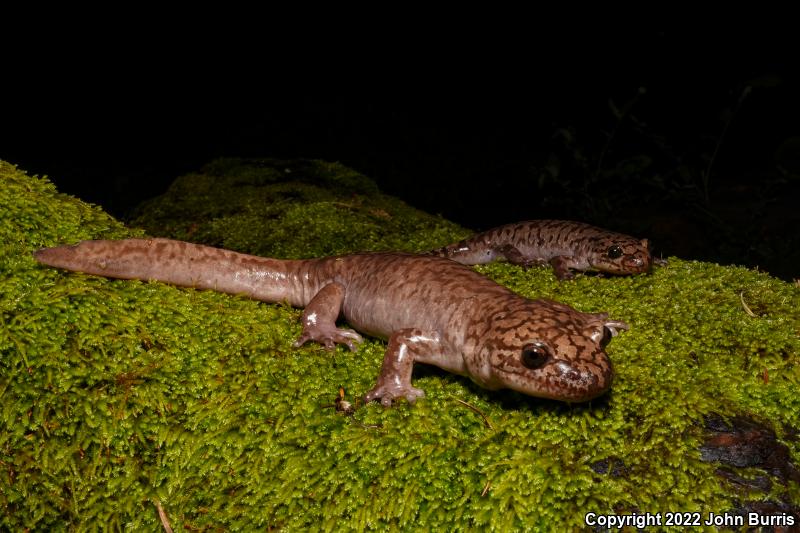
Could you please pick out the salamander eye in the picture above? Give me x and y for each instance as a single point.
(614, 252)
(535, 355)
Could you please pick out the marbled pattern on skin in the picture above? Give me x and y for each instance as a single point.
(564, 244)
(431, 310)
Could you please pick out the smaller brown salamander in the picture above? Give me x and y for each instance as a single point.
(564, 244)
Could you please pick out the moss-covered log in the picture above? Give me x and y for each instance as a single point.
(117, 397)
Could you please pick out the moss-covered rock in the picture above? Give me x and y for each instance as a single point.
(119, 396)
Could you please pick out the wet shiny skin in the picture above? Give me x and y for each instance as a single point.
(431, 310)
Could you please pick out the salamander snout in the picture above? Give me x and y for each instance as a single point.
(637, 263)
(557, 378)
(583, 383)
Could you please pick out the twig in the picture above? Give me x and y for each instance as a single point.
(475, 409)
(486, 488)
(163, 516)
(367, 426)
(746, 309)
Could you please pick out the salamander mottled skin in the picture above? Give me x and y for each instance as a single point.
(566, 245)
(430, 309)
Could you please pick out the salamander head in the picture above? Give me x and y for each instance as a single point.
(548, 350)
(621, 255)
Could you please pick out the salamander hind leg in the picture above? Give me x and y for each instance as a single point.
(561, 267)
(514, 256)
(319, 320)
(394, 381)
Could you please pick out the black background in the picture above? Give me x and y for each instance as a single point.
(455, 127)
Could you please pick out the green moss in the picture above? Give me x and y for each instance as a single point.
(118, 394)
(290, 209)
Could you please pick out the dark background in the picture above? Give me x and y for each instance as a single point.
(689, 137)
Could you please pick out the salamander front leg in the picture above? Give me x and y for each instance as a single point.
(405, 346)
(319, 320)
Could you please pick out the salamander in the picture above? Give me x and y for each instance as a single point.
(564, 244)
(430, 309)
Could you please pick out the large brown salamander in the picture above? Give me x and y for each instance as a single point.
(564, 244)
(430, 309)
